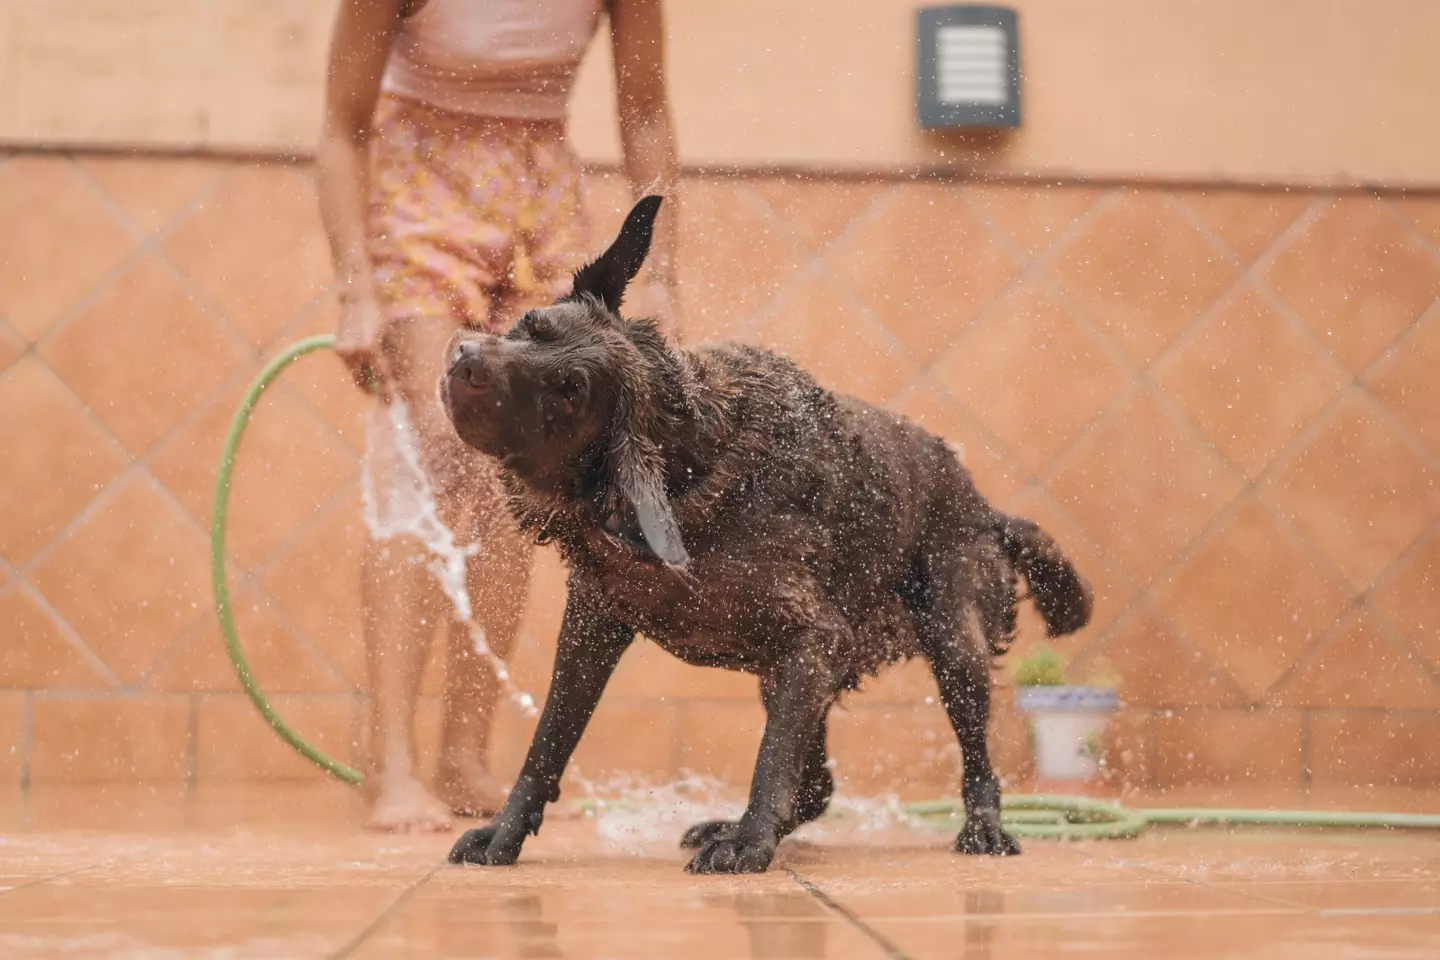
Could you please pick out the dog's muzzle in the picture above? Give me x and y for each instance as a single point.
(472, 371)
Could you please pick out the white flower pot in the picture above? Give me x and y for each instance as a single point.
(1065, 726)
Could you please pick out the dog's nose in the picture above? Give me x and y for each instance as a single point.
(468, 366)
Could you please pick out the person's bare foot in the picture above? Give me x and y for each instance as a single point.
(467, 787)
(403, 805)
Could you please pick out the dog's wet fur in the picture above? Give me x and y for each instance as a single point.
(739, 515)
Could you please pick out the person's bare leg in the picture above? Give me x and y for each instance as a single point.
(498, 578)
(403, 605)
(397, 592)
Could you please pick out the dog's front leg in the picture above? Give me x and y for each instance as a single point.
(803, 686)
(590, 645)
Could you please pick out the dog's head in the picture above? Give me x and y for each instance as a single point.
(575, 396)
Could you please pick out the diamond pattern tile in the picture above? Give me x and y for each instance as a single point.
(1404, 379)
(734, 257)
(1359, 667)
(1357, 491)
(1411, 598)
(924, 265)
(289, 466)
(825, 332)
(11, 346)
(1250, 380)
(865, 283)
(325, 608)
(186, 461)
(995, 471)
(1007, 366)
(36, 654)
(1357, 277)
(817, 211)
(1251, 598)
(1142, 271)
(1034, 216)
(144, 354)
(59, 241)
(1142, 486)
(1157, 668)
(131, 577)
(56, 456)
(1249, 222)
(322, 381)
(256, 248)
(152, 191)
(280, 658)
(1424, 213)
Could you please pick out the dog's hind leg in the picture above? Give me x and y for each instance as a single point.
(952, 636)
(816, 787)
(804, 686)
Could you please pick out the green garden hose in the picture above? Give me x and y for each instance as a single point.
(1079, 818)
(1066, 818)
(220, 576)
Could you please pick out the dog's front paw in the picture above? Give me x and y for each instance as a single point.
(731, 853)
(706, 831)
(479, 847)
(983, 835)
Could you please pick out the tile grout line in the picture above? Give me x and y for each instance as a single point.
(141, 463)
(355, 942)
(878, 938)
(31, 884)
(20, 583)
(1181, 878)
(27, 742)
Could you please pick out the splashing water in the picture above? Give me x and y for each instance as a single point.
(633, 815)
(403, 504)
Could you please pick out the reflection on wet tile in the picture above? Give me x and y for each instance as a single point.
(1349, 896)
(527, 923)
(52, 920)
(285, 871)
(1268, 936)
(936, 900)
(616, 908)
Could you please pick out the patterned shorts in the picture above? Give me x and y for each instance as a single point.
(467, 211)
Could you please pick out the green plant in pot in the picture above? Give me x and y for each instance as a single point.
(1066, 720)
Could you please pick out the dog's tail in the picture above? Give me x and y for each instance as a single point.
(1063, 598)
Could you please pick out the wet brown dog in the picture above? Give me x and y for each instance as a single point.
(722, 503)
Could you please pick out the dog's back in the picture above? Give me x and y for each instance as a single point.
(885, 497)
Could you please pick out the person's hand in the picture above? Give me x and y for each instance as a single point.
(357, 342)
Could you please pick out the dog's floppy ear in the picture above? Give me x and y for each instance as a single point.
(638, 511)
(606, 277)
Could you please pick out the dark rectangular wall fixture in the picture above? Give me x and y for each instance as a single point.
(967, 67)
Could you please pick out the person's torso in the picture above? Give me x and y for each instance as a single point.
(501, 58)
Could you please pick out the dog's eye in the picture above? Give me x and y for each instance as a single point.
(534, 326)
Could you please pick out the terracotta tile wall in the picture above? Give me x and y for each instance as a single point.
(1222, 402)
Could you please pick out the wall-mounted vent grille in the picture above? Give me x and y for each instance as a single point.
(968, 67)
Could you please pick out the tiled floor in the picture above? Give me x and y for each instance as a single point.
(285, 872)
